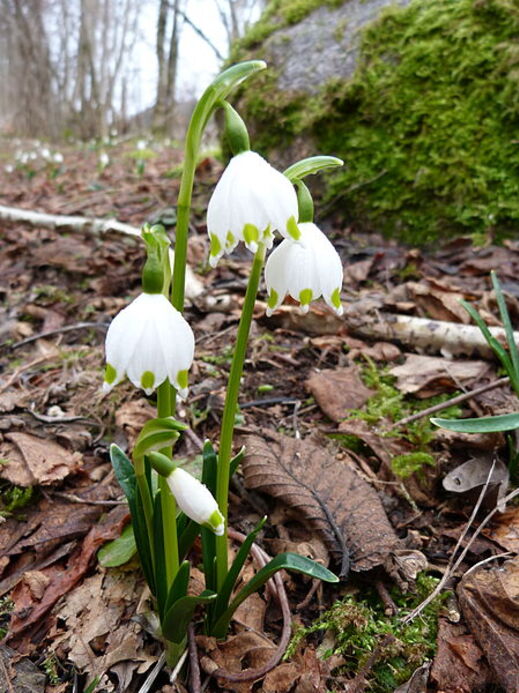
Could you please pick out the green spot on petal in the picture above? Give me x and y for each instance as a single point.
(335, 298)
(182, 379)
(293, 229)
(216, 246)
(272, 300)
(230, 240)
(147, 380)
(110, 374)
(305, 296)
(216, 520)
(250, 233)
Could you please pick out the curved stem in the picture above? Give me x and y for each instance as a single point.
(229, 412)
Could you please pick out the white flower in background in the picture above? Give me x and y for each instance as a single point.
(149, 341)
(45, 152)
(249, 203)
(195, 500)
(305, 269)
(58, 158)
(104, 159)
(8, 168)
(141, 144)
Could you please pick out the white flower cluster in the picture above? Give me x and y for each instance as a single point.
(250, 202)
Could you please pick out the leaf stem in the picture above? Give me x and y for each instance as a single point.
(229, 412)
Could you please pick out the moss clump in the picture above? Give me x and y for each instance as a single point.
(427, 125)
(360, 627)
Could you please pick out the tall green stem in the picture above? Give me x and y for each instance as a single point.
(231, 402)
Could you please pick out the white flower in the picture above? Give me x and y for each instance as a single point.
(141, 144)
(149, 341)
(305, 269)
(58, 158)
(250, 201)
(104, 159)
(195, 500)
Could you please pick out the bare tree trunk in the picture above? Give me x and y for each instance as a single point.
(167, 58)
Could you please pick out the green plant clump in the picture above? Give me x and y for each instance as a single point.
(360, 627)
(427, 125)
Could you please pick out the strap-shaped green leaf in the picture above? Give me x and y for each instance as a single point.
(187, 533)
(313, 164)
(236, 460)
(493, 343)
(485, 424)
(176, 621)
(284, 561)
(161, 582)
(509, 331)
(179, 587)
(224, 594)
(210, 463)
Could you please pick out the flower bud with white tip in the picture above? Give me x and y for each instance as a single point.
(251, 201)
(196, 501)
(305, 269)
(149, 341)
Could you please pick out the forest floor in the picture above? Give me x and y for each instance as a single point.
(323, 413)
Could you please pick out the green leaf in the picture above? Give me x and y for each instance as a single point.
(124, 472)
(208, 538)
(119, 551)
(493, 343)
(224, 594)
(176, 621)
(92, 685)
(161, 583)
(179, 587)
(507, 324)
(284, 561)
(236, 460)
(485, 424)
(311, 165)
(186, 536)
(157, 434)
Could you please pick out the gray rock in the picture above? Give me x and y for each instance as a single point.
(325, 44)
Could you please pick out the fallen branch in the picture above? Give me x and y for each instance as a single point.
(62, 221)
(448, 338)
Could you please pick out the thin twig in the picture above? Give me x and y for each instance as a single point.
(178, 666)
(453, 566)
(60, 330)
(488, 560)
(146, 686)
(61, 419)
(281, 595)
(449, 403)
(77, 499)
(194, 664)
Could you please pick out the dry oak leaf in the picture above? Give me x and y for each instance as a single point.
(426, 376)
(338, 390)
(325, 493)
(36, 460)
(489, 600)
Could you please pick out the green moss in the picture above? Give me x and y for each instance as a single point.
(360, 627)
(427, 125)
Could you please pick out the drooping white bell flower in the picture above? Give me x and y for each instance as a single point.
(195, 500)
(251, 201)
(149, 341)
(305, 269)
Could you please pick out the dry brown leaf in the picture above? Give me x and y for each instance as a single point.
(470, 477)
(489, 599)
(426, 376)
(19, 675)
(36, 460)
(459, 665)
(323, 492)
(505, 530)
(339, 390)
(281, 679)
(439, 301)
(131, 417)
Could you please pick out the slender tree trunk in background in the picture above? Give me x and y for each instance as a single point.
(168, 26)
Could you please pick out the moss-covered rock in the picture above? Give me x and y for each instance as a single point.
(427, 123)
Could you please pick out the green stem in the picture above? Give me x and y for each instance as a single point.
(231, 402)
(168, 503)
